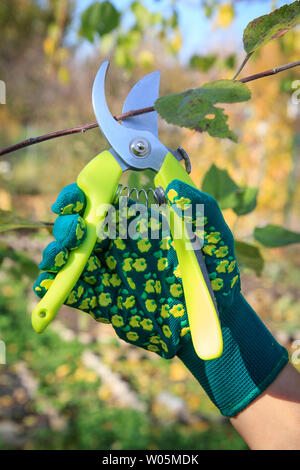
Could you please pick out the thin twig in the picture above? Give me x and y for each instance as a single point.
(136, 112)
(74, 130)
(242, 65)
(269, 72)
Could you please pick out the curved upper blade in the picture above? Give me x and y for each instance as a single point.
(120, 136)
(143, 95)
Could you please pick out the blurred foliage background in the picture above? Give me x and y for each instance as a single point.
(77, 386)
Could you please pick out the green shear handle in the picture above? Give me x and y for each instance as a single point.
(98, 180)
(202, 313)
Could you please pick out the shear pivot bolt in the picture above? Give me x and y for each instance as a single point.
(140, 147)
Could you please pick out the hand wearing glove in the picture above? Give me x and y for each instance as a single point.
(135, 285)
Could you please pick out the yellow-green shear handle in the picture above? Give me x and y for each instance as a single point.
(98, 180)
(203, 318)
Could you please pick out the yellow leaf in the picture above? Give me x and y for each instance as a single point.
(91, 376)
(198, 425)
(193, 402)
(5, 200)
(62, 370)
(225, 15)
(177, 42)
(146, 59)
(177, 372)
(49, 46)
(104, 392)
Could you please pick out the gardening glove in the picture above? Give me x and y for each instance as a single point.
(135, 284)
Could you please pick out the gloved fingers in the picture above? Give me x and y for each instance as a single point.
(69, 231)
(181, 195)
(71, 200)
(43, 283)
(83, 297)
(69, 228)
(54, 257)
(203, 211)
(217, 240)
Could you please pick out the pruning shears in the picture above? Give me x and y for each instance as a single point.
(135, 145)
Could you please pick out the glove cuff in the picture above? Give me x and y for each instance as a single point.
(250, 362)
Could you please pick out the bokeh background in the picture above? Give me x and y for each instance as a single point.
(77, 386)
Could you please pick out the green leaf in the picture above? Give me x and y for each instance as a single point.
(195, 108)
(141, 13)
(221, 186)
(10, 221)
(246, 200)
(124, 54)
(173, 21)
(203, 63)
(267, 27)
(99, 18)
(230, 61)
(229, 195)
(274, 236)
(249, 256)
(286, 84)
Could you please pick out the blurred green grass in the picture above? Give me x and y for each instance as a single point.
(68, 406)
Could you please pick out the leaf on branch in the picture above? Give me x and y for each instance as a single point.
(141, 13)
(286, 84)
(246, 200)
(195, 108)
(249, 256)
(230, 61)
(219, 184)
(274, 236)
(225, 15)
(267, 27)
(11, 221)
(99, 18)
(203, 63)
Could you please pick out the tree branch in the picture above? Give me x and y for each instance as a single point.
(269, 72)
(85, 127)
(74, 130)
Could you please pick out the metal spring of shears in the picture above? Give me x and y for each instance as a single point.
(158, 194)
(145, 196)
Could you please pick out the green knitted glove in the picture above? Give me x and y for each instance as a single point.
(135, 285)
(251, 358)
